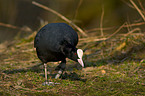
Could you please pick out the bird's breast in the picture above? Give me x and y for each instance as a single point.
(49, 56)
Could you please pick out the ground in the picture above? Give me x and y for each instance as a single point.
(112, 67)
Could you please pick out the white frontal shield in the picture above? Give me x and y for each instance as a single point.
(80, 55)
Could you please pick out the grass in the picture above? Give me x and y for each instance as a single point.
(114, 67)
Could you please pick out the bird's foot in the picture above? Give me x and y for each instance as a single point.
(59, 74)
(46, 83)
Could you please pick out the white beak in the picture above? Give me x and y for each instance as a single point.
(80, 55)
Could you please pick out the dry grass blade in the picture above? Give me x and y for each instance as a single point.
(92, 39)
(9, 26)
(101, 23)
(109, 28)
(134, 24)
(140, 3)
(136, 29)
(139, 11)
(61, 16)
(116, 31)
(16, 27)
(95, 29)
(80, 2)
(127, 3)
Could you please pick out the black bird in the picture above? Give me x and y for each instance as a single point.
(56, 42)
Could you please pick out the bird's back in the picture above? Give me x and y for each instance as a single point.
(49, 38)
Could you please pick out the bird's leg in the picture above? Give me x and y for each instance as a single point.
(45, 68)
(46, 81)
(61, 68)
(45, 65)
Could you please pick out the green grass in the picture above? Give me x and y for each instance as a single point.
(104, 75)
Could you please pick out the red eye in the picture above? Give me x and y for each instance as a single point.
(75, 53)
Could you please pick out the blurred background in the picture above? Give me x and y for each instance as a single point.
(22, 14)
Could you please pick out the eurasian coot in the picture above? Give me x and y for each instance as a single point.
(56, 42)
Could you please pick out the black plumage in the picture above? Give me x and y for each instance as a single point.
(56, 42)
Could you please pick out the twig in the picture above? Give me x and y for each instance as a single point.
(93, 39)
(128, 23)
(14, 27)
(89, 39)
(140, 3)
(9, 26)
(109, 28)
(139, 11)
(116, 31)
(127, 4)
(80, 2)
(134, 24)
(61, 16)
(101, 23)
(136, 29)
(95, 29)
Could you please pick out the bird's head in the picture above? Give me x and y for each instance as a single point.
(76, 55)
(72, 52)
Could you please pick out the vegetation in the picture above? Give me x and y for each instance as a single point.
(114, 65)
